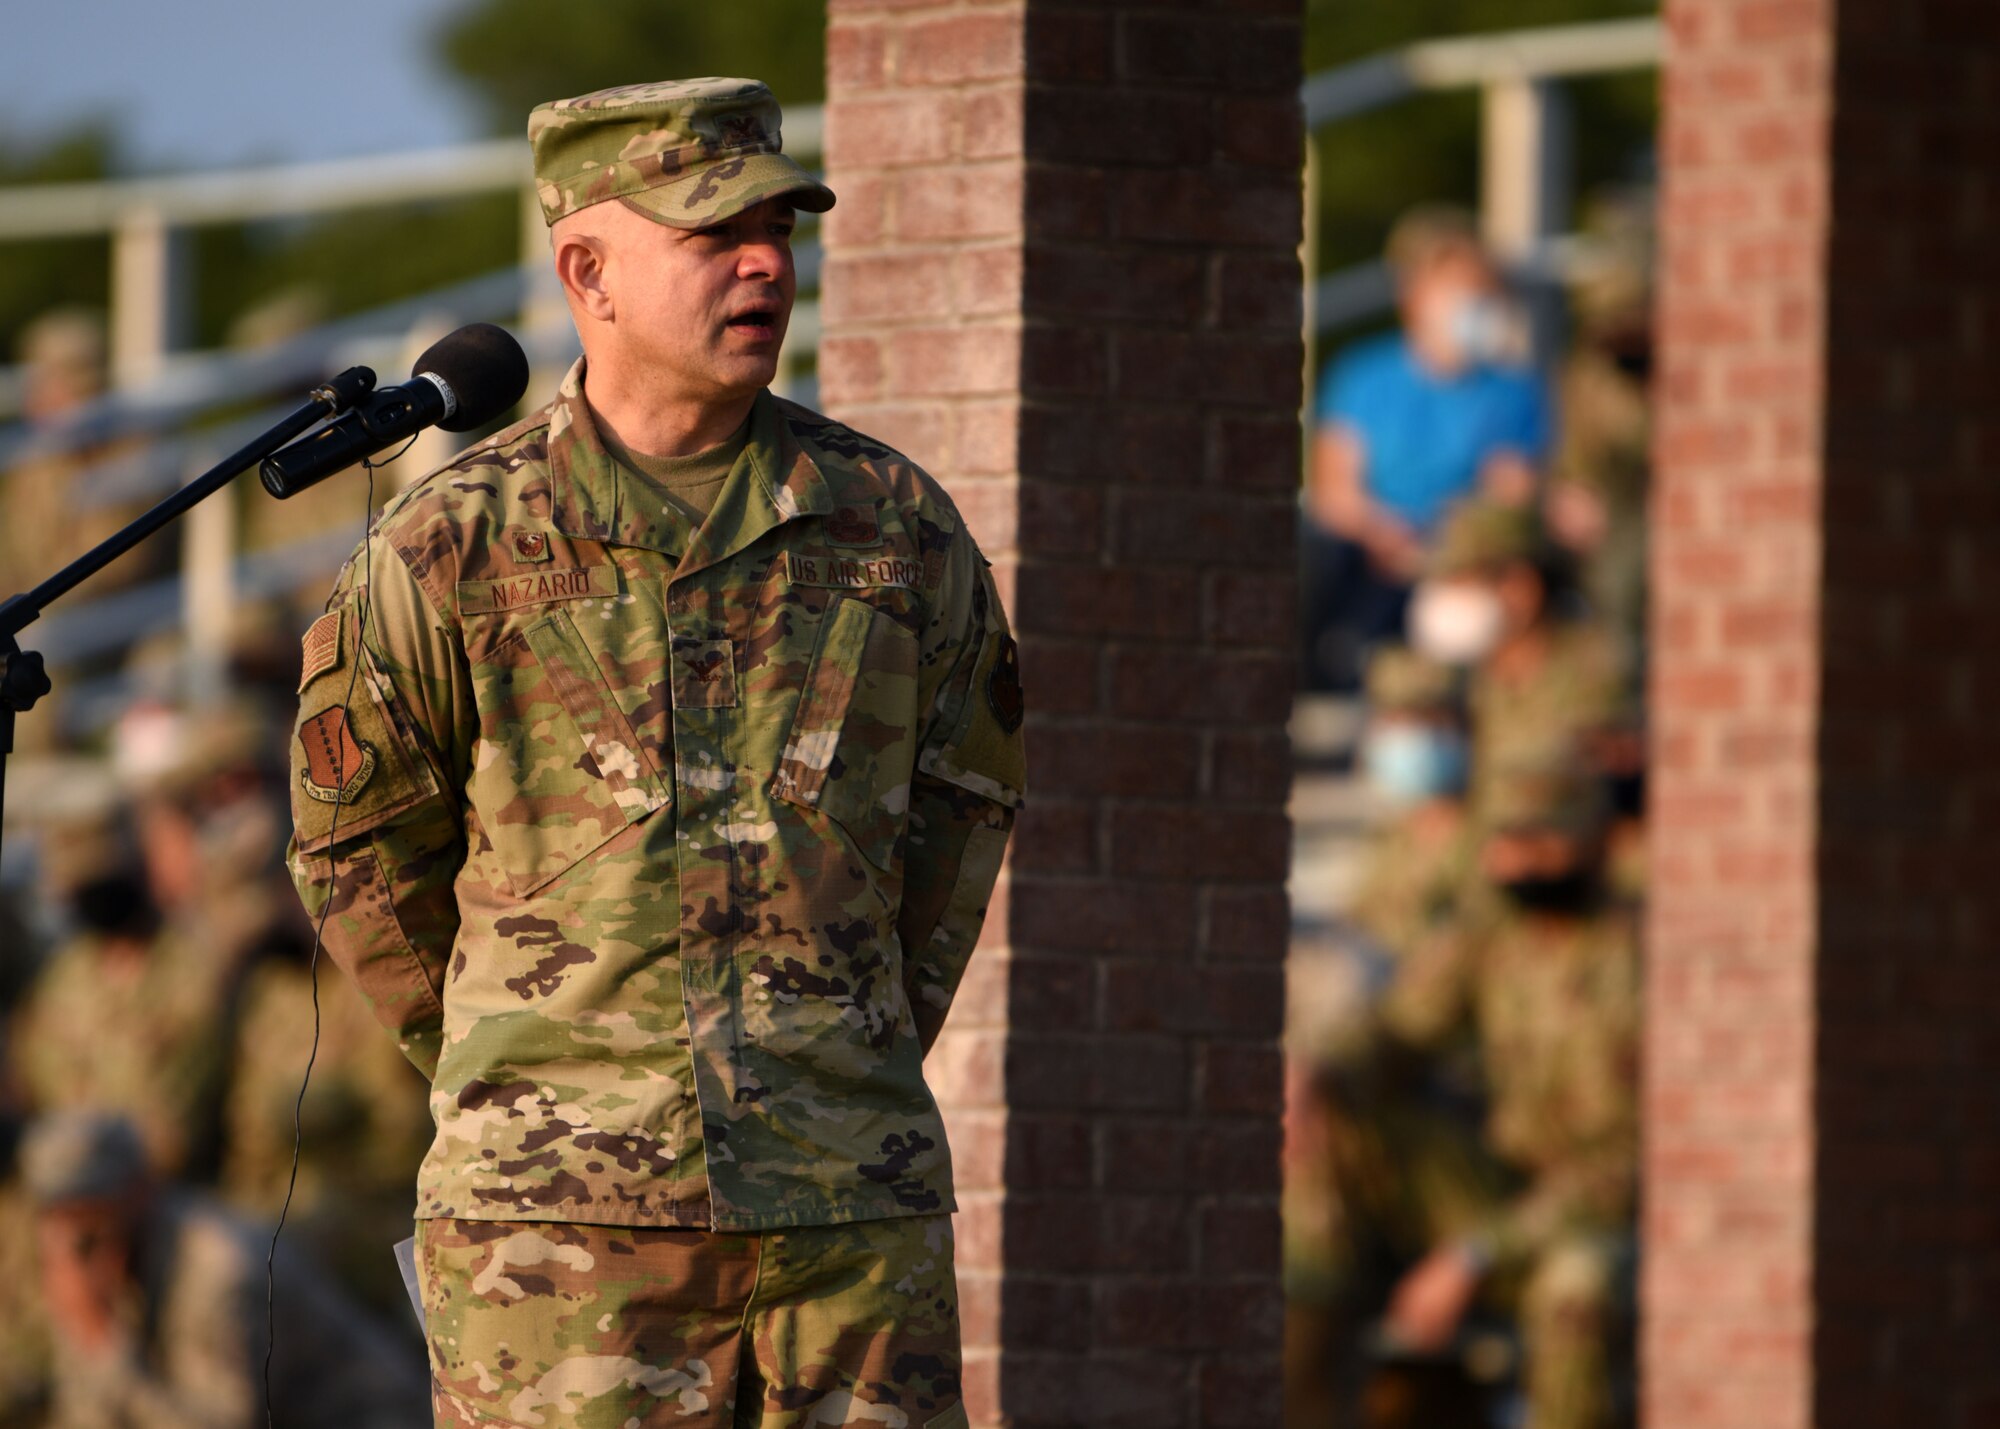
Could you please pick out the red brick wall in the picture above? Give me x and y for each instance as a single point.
(1063, 275)
(1823, 1145)
(1726, 1314)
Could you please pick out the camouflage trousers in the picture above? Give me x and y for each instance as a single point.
(563, 1326)
(1575, 1307)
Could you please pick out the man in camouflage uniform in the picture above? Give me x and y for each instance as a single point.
(1550, 674)
(128, 1014)
(1378, 1164)
(1545, 969)
(1414, 757)
(156, 1297)
(654, 764)
(1602, 471)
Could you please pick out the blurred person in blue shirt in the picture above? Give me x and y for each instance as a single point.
(1408, 424)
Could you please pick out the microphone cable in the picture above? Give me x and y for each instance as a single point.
(362, 605)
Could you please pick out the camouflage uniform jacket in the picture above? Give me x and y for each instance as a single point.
(1414, 872)
(157, 1025)
(1555, 1001)
(1580, 687)
(662, 850)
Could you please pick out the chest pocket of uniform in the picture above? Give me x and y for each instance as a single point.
(853, 738)
(559, 769)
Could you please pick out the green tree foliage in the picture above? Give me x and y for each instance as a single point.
(1375, 166)
(516, 53)
(512, 54)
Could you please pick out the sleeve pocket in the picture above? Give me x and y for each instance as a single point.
(353, 766)
(984, 751)
(852, 741)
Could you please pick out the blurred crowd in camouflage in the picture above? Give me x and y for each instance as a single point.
(157, 1007)
(1463, 1041)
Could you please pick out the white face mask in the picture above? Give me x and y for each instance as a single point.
(1479, 329)
(1408, 763)
(1474, 326)
(1456, 622)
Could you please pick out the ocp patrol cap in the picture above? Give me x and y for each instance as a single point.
(1545, 784)
(1481, 534)
(1400, 681)
(686, 152)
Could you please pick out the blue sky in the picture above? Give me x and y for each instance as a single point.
(208, 83)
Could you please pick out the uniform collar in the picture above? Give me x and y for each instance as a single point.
(593, 498)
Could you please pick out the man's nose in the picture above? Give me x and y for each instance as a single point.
(764, 258)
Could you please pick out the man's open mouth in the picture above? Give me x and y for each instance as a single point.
(759, 321)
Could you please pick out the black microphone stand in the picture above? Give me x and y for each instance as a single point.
(23, 679)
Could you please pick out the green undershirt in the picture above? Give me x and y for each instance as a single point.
(691, 483)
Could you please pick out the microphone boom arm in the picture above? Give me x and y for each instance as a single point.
(23, 679)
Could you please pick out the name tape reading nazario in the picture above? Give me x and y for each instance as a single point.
(536, 588)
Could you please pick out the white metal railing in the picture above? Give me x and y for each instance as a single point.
(160, 389)
(290, 190)
(1525, 138)
(277, 191)
(1525, 186)
(1475, 60)
(163, 392)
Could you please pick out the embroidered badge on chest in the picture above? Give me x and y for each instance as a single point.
(338, 765)
(853, 526)
(531, 545)
(320, 648)
(704, 673)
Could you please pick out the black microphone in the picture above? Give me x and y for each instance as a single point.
(463, 380)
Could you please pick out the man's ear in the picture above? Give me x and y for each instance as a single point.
(581, 266)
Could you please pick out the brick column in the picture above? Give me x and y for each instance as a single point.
(1063, 275)
(1823, 1158)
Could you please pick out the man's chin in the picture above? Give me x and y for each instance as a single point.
(743, 374)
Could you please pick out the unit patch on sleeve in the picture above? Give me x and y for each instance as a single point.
(338, 765)
(321, 648)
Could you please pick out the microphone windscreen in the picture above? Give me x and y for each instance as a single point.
(486, 369)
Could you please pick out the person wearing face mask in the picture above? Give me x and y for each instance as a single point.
(1414, 758)
(1602, 467)
(1380, 1160)
(1409, 424)
(1544, 969)
(1496, 599)
(127, 1013)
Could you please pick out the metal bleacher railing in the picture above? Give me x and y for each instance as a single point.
(169, 396)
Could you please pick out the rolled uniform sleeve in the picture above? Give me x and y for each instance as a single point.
(970, 776)
(378, 756)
